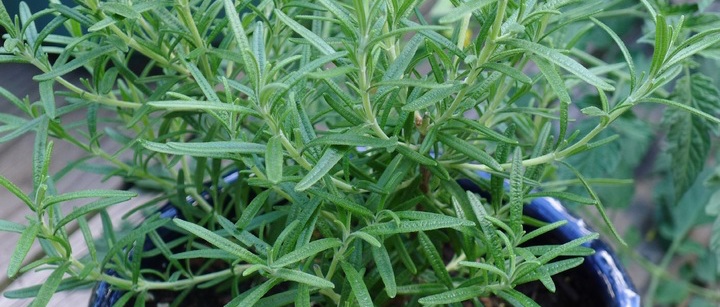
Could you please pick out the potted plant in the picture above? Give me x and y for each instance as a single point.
(332, 152)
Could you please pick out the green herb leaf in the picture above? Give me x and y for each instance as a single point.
(218, 241)
(464, 9)
(366, 237)
(50, 285)
(312, 38)
(454, 296)
(385, 268)
(81, 60)
(430, 98)
(15, 190)
(469, 150)
(218, 149)
(302, 277)
(509, 71)
(8, 226)
(119, 8)
(200, 106)
(344, 203)
(557, 84)
(22, 248)
(433, 257)
(306, 251)
(516, 193)
(274, 160)
(322, 167)
(561, 60)
(357, 284)
(438, 222)
(516, 298)
(354, 140)
(256, 293)
(93, 206)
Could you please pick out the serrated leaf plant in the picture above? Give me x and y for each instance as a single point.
(348, 124)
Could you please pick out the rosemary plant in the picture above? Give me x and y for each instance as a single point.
(348, 124)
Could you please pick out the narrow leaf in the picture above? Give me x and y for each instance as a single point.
(385, 268)
(454, 296)
(433, 257)
(430, 98)
(344, 203)
(509, 71)
(81, 60)
(358, 285)
(470, 151)
(561, 60)
(354, 140)
(516, 193)
(464, 9)
(22, 248)
(200, 106)
(516, 298)
(15, 190)
(218, 241)
(322, 167)
(256, 293)
(91, 207)
(557, 84)
(274, 160)
(306, 251)
(312, 38)
(50, 285)
(303, 277)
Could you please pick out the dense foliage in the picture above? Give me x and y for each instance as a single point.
(349, 123)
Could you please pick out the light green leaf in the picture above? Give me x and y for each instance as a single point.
(47, 96)
(200, 106)
(357, 284)
(626, 54)
(416, 156)
(561, 60)
(323, 166)
(8, 226)
(119, 8)
(218, 149)
(509, 71)
(516, 192)
(366, 237)
(302, 277)
(241, 39)
(563, 195)
(486, 267)
(385, 268)
(252, 209)
(433, 257)
(685, 108)
(413, 83)
(464, 9)
(15, 190)
(693, 45)
(312, 38)
(306, 251)
(218, 241)
(102, 24)
(430, 98)
(274, 160)
(91, 207)
(470, 151)
(343, 202)
(557, 84)
(388, 228)
(454, 296)
(50, 285)
(552, 268)
(204, 253)
(54, 199)
(257, 292)
(5, 21)
(491, 237)
(81, 60)
(516, 298)
(354, 140)
(22, 248)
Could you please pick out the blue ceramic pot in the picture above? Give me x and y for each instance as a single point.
(601, 272)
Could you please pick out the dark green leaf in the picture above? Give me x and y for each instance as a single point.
(516, 193)
(344, 203)
(430, 98)
(200, 106)
(454, 296)
(516, 298)
(312, 38)
(302, 277)
(433, 257)
(354, 140)
(256, 293)
(274, 160)
(306, 251)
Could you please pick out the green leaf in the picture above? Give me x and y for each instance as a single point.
(357, 284)
(274, 160)
(81, 60)
(119, 8)
(438, 222)
(22, 248)
(366, 237)
(561, 60)
(91, 207)
(491, 237)
(256, 293)
(688, 136)
(48, 98)
(200, 106)
(416, 156)
(469, 150)
(218, 149)
(102, 24)
(516, 193)
(430, 98)
(626, 54)
(241, 39)
(218, 241)
(302, 277)
(563, 195)
(454, 296)
(354, 140)
(15, 190)
(433, 256)
(252, 209)
(306, 251)
(557, 84)
(464, 9)
(312, 38)
(693, 45)
(54, 199)
(385, 269)
(486, 267)
(344, 203)
(5, 21)
(509, 71)
(8, 226)
(321, 168)
(204, 253)
(516, 298)
(50, 285)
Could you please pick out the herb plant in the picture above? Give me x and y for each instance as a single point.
(348, 123)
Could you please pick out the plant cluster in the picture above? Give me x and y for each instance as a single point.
(348, 124)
